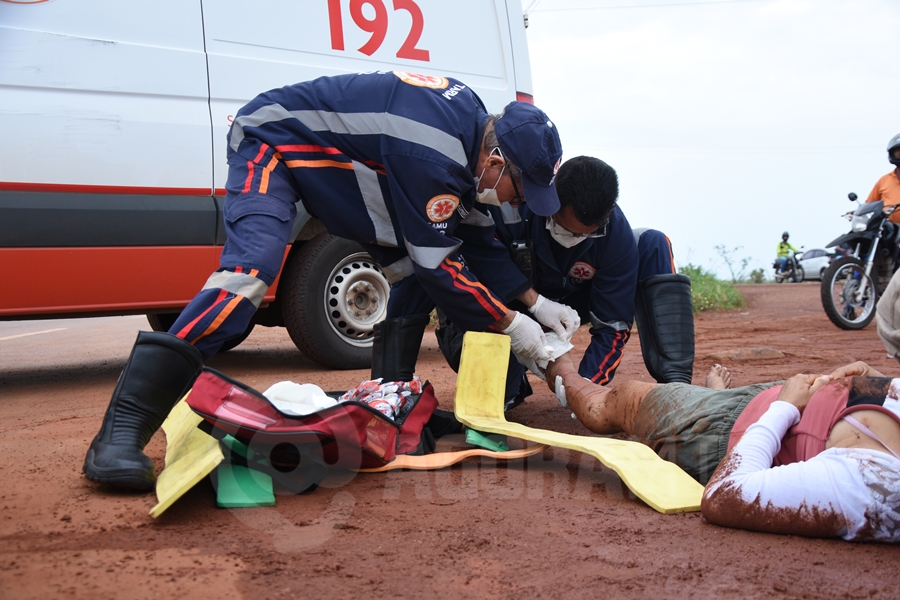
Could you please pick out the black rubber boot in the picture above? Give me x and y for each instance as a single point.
(395, 351)
(450, 341)
(517, 386)
(159, 371)
(665, 318)
(395, 347)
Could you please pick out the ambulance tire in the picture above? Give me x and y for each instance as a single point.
(164, 321)
(332, 294)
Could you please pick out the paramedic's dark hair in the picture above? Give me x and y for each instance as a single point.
(589, 186)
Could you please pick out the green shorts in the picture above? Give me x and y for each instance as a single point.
(689, 425)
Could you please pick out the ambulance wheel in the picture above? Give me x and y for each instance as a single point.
(164, 321)
(332, 293)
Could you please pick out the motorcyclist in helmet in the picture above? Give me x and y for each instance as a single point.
(784, 251)
(888, 187)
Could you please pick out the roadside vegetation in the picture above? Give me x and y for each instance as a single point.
(710, 293)
(757, 276)
(738, 266)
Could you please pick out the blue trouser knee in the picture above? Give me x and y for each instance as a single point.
(258, 228)
(655, 255)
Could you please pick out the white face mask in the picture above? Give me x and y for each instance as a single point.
(489, 196)
(566, 241)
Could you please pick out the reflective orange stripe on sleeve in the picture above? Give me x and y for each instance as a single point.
(481, 294)
(318, 164)
(307, 148)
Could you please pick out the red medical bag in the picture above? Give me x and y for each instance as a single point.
(349, 435)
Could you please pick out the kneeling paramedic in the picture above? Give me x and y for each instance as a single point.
(587, 256)
(389, 160)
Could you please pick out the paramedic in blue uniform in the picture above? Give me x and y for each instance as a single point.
(587, 256)
(393, 160)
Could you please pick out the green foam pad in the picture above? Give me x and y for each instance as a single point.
(240, 487)
(491, 441)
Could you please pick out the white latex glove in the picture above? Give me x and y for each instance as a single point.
(558, 347)
(560, 318)
(555, 346)
(531, 365)
(527, 338)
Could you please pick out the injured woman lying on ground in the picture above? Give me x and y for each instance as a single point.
(813, 456)
(816, 455)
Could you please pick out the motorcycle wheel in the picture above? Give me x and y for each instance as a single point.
(848, 296)
(798, 275)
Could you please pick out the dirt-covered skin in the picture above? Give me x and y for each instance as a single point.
(555, 525)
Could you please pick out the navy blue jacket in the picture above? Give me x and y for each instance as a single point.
(385, 159)
(597, 277)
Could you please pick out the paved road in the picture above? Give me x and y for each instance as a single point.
(67, 343)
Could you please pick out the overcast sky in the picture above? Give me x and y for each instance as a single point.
(728, 121)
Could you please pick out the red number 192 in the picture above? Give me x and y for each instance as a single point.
(378, 26)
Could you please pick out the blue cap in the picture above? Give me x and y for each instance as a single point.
(529, 139)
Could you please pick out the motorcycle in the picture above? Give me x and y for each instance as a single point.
(853, 283)
(793, 270)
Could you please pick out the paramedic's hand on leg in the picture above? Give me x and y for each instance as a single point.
(526, 337)
(560, 318)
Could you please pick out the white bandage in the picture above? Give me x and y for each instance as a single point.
(560, 391)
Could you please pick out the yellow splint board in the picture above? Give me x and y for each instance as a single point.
(191, 455)
(479, 405)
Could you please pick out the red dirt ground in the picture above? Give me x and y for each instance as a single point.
(558, 525)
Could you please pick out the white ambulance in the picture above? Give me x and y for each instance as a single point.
(114, 117)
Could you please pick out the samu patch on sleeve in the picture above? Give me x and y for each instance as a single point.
(441, 207)
(429, 81)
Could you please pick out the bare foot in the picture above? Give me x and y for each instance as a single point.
(719, 378)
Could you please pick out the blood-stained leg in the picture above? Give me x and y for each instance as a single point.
(600, 409)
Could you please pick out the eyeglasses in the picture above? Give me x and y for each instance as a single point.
(519, 199)
(562, 231)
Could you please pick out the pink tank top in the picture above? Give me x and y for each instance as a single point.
(807, 438)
